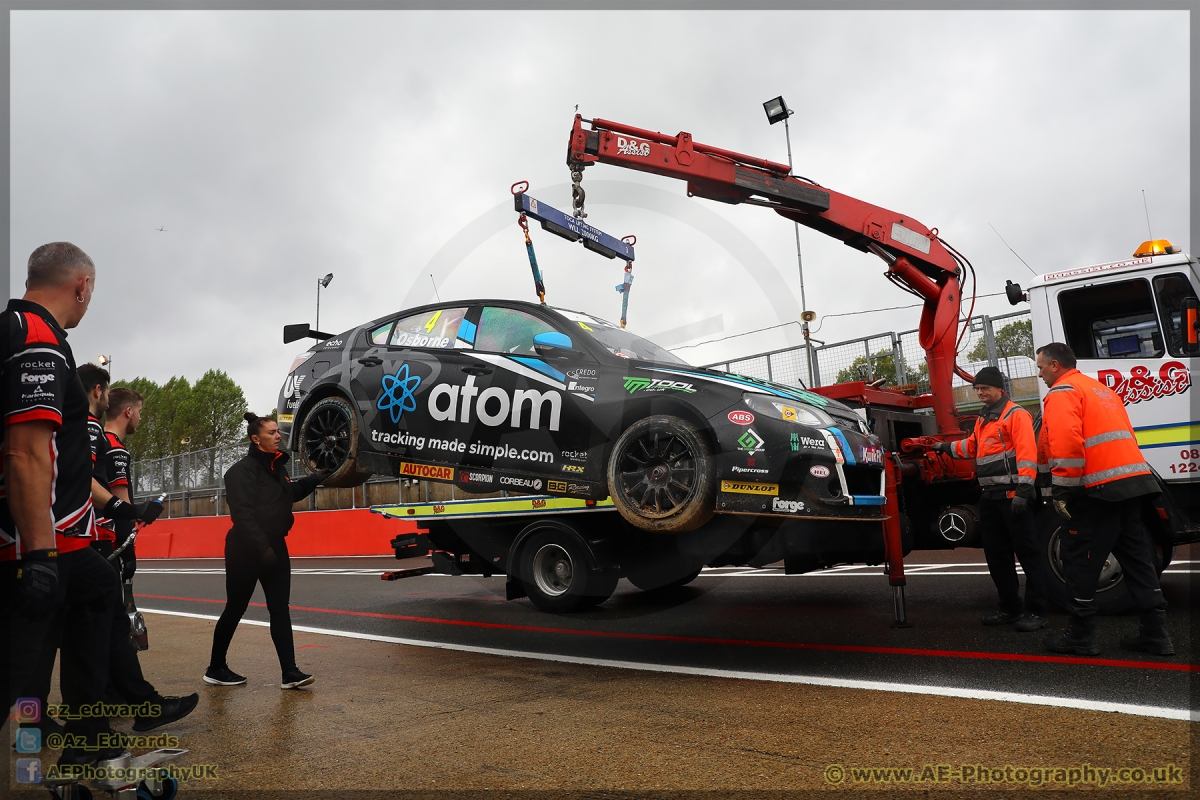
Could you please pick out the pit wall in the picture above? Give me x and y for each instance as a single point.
(315, 533)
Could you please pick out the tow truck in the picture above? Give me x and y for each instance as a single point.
(930, 499)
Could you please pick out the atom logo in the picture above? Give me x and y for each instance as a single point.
(397, 394)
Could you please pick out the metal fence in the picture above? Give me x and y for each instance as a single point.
(896, 357)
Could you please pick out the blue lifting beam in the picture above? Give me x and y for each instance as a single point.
(572, 229)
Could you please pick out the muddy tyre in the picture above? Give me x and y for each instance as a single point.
(662, 475)
(329, 440)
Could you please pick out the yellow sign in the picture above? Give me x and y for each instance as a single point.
(285, 417)
(556, 486)
(741, 487)
(789, 413)
(426, 471)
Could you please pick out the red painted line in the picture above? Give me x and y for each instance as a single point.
(657, 637)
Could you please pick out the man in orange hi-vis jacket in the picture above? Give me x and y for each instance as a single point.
(1005, 454)
(1099, 480)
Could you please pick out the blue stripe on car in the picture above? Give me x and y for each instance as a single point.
(798, 394)
(847, 451)
(868, 499)
(542, 367)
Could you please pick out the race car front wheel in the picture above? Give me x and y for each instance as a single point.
(329, 440)
(662, 476)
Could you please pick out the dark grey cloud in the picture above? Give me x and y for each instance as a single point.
(278, 146)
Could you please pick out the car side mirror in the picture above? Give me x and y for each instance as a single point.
(1190, 313)
(552, 343)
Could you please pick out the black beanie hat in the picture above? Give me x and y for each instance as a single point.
(989, 376)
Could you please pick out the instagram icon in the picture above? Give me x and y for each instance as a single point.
(29, 709)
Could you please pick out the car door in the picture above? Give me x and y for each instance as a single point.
(528, 422)
(398, 379)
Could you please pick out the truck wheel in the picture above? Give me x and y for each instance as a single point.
(662, 477)
(1112, 592)
(329, 440)
(555, 572)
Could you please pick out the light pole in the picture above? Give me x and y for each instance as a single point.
(777, 111)
(321, 284)
(106, 362)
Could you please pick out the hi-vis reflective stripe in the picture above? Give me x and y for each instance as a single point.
(1059, 480)
(1111, 436)
(1062, 387)
(493, 507)
(1067, 462)
(993, 481)
(1116, 472)
(1005, 456)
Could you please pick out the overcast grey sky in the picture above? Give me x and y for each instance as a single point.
(277, 146)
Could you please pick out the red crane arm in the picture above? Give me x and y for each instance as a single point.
(916, 259)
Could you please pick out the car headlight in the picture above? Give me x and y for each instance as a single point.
(778, 408)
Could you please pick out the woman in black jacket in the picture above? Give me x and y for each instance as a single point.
(260, 496)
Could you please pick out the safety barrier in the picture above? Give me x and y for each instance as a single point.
(320, 533)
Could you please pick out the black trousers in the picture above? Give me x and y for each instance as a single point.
(1006, 535)
(81, 623)
(243, 571)
(1100, 527)
(126, 683)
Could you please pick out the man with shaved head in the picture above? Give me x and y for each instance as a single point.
(55, 587)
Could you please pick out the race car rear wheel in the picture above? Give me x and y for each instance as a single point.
(662, 476)
(329, 440)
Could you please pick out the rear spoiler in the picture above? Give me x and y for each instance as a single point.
(301, 331)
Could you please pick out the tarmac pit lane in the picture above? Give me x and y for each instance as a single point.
(394, 717)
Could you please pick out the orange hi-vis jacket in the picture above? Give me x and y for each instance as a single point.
(1086, 437)
(1004, 449)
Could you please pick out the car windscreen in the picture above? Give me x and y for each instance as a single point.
(621, 342)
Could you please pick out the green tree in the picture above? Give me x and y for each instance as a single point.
(208, 413)
(215, 410)
(883, 365)
(1014, 339)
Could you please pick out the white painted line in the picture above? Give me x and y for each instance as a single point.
(809, 680)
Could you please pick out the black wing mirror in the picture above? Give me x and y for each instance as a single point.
(1014, 293)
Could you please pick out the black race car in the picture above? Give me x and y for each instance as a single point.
(499, 394)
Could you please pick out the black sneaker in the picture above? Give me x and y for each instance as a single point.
(294, 679)
(222, 676)
(1030, 622)
(170, 709)
(1001, 618)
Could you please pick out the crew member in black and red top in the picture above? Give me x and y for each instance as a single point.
(53, 583)
(123, 413)
(95, 382)
(126, 683)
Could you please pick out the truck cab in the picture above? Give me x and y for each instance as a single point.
(1125, 322)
